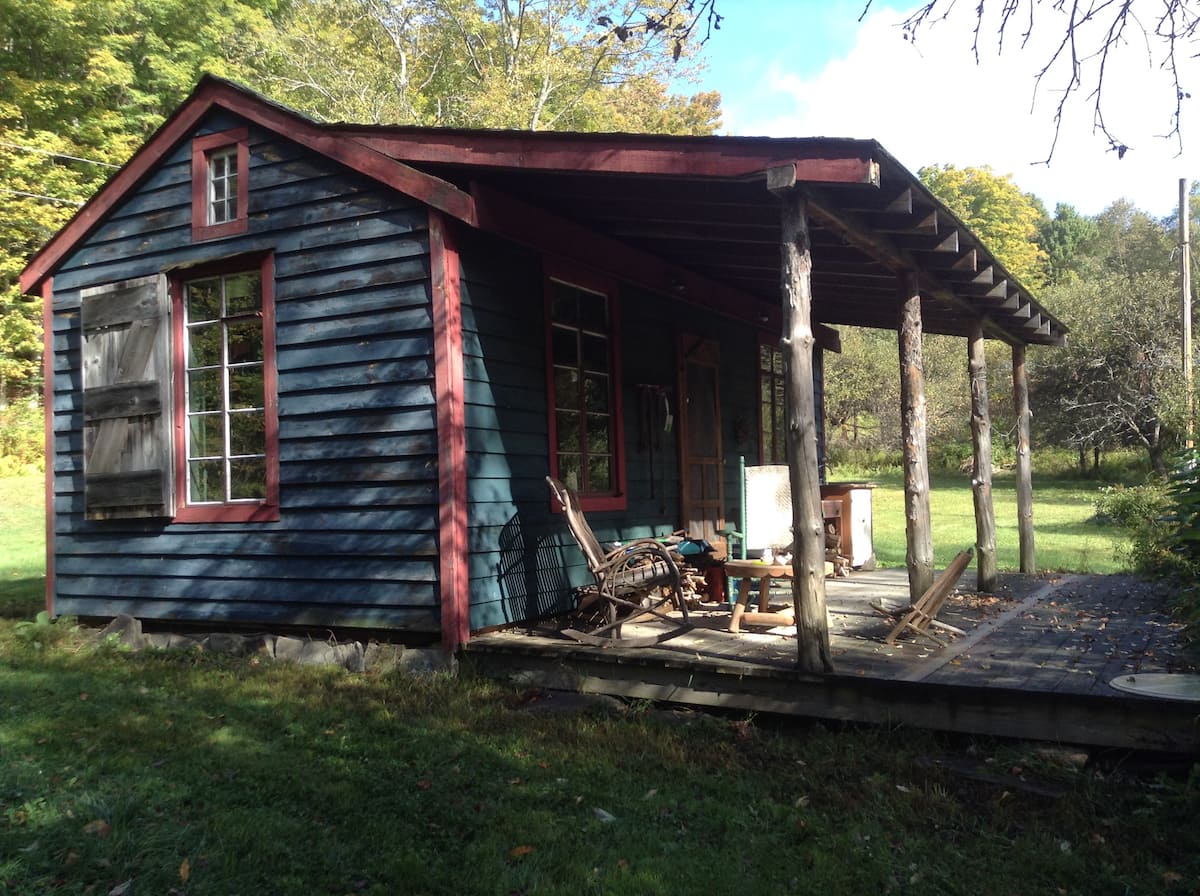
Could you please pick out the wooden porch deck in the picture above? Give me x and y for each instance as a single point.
(1036, 662)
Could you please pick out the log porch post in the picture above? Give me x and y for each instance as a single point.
(808, 527)
(981, 443)
(917, 522)
(1024, 462)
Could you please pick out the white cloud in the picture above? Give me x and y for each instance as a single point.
(930, 103)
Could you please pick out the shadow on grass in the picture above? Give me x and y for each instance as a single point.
(22, 598)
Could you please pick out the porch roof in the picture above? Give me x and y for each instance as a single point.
(692, 216)
(703, 205)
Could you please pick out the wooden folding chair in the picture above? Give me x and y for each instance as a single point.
(923, 613)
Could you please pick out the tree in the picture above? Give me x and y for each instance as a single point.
(995, 209)
(1118, 380)
(529, 64)
(1088, 41)
(85, 81)
(862, 390)
(1065, 239)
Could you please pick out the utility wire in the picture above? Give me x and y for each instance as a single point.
(40, 196)
(56, 155)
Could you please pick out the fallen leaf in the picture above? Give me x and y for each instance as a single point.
(424, 784)
(83, 695)
(121, 889)
(1171, 877)
(185, 870)
(604, 816)
(622, 863)
(517, 851)
(99, 827)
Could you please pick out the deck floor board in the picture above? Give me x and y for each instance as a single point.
(1035, 661)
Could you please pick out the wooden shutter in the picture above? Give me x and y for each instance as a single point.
(127, 422)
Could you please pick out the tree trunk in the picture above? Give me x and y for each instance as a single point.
(808, 527)
(918, 527)
(1024, 483)
(981, 443)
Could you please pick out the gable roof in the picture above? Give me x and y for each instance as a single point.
(692, 216)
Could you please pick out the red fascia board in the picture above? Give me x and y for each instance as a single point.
(48, 414)
(816, 161)
(504, 215)
(330, 142)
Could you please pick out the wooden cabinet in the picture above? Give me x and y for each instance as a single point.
(852, 519)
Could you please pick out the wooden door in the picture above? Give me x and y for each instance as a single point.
(702, 459)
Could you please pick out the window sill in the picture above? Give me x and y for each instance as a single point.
(228, 513)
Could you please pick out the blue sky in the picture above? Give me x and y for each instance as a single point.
(810, 68)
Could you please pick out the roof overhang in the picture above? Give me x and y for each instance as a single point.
(691, 216)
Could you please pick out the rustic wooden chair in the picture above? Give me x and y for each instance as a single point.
(637, 582)
(923, 613)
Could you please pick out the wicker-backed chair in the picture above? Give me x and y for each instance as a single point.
(636, 582)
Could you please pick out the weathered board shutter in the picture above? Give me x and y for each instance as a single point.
(127, 421)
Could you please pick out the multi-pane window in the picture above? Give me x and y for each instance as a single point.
(585, 420)
(225, 427)
(223, 185)
(772, 405)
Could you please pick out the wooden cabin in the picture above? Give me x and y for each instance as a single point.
(315, 375)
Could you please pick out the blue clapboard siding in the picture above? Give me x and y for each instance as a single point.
(523, 561)
(356, 542)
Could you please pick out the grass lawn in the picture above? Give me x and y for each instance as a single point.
(22, 545)
(191, 774)
(1067, 540)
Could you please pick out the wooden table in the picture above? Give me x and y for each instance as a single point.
(747, 570)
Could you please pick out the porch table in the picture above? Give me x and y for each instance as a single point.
(746, 571)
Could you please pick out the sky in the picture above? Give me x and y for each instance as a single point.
(809, 68)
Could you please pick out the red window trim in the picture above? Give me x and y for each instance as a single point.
(564, 272)
(240, 512)
(202, 147)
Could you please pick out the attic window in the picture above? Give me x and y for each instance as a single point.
(220, 164)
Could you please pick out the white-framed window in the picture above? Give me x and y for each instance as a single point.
(222, 185)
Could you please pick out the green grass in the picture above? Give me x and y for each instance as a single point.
(1067, 540)
(196, 774)
(271, 779)
(22, 545)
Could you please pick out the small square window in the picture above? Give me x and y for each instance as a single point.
(220, 164)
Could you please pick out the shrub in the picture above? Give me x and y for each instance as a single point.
(44, 631)
(1165, 524)
(1132, 506)
(862, 463)
(22, 441)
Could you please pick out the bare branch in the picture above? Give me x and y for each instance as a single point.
(1094, 33)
